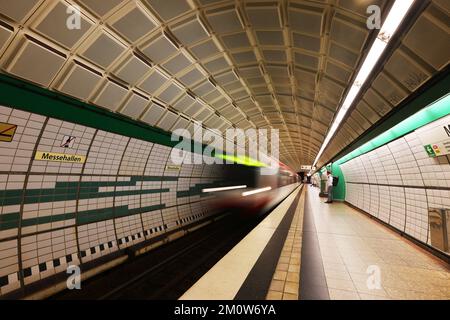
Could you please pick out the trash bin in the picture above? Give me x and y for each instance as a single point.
(439, 220)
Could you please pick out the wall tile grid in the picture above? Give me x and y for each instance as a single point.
(54, 214)
(398, 183)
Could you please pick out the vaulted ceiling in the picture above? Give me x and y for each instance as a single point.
(249, 64)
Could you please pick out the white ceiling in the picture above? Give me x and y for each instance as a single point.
(262, 64)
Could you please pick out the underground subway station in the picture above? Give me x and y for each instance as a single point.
(214, 158)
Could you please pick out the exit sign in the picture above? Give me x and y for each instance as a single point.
(435, 137)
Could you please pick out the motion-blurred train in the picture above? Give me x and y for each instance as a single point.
(251, 189)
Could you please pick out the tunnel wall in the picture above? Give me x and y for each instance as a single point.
(55, 214)
(127, 193)
(397, 183)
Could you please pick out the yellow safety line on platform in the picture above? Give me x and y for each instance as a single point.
(286, 279)
(225, 278)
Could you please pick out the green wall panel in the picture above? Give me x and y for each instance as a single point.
(339, 190)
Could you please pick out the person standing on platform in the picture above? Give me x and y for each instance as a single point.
(329, 187)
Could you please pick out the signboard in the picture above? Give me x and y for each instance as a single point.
(435, 137)
(7, 131)
(172, 167)
(59, 157)
(308, 168)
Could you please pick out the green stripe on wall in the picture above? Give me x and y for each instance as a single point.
(65, 191)
(433, 93)
(47, 219)
(52, 195)
(9, 221)
(98, 215)
(431, 113)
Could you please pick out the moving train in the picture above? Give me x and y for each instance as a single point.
(253, 189)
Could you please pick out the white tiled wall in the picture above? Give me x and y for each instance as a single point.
(119, 163)
(62, 214)
(16, 155)
(393, 183)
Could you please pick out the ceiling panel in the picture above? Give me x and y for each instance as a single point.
(79, 81)
(103, 49)
(135, 106)
(288, 62)
(111, 96)
(169, 9)
(132, 69)
(57, 15)
(190, 31)
(133, 23)
(153, 114)
(436, 51)
(153, 82)
(168, 120)
(18, 10)
(101, 8)
(160, 49)
(5, 34)
(24, 63)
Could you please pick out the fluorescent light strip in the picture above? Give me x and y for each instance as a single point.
(249, 193)
(390, 26)
(223, 189)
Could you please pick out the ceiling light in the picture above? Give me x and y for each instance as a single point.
(390, 26)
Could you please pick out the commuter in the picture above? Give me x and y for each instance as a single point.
(329, 187)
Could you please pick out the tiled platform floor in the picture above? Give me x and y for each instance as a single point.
(226, 279)
(285, 280)
(351, 242)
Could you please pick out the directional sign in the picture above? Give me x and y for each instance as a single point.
(7, 131)
(429, 150)
(435, 137)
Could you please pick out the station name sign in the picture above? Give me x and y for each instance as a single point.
(435, 137)
(172, 167)
(59, 157)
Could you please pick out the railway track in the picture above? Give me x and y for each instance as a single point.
(168, 271)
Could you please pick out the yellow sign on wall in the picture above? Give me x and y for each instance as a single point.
(7, 131)
(172, 167)
(59, 157)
